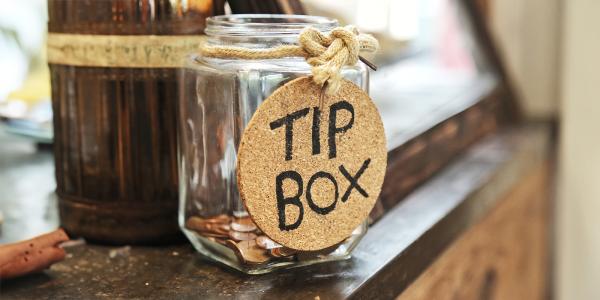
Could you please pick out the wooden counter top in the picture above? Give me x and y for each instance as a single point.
(395, 251)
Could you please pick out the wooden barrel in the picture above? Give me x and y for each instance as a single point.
(114, 65)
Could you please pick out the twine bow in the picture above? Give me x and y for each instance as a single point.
(326, 53)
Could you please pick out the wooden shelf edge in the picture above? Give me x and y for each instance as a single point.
(410, 236)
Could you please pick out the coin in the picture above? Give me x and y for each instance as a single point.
(243, 225)
(198, 224)
(215, 235)
(221, 241)
(266, 243)
(241, 236)
(274, 252)
(221, 228)
(248, 252)
(282, 252)
(222, 218)
(249, 244)
(195, 223)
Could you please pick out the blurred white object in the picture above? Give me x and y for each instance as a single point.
(22, 33)
(14, 109)
(372, 15)
(35, 124)
(25, 107)
(394, 19)
(404, 19)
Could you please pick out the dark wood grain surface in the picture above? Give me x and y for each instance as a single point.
(395, 251)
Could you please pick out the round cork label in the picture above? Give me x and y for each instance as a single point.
(310, 169)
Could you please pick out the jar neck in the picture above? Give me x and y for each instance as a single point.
(262, 31)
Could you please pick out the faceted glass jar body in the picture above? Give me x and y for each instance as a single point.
(218, 99)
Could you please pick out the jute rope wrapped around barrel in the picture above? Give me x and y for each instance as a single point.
(326, 53)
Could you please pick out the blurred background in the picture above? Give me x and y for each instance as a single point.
(550, 49)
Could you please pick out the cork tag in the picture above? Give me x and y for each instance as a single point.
(310, 170)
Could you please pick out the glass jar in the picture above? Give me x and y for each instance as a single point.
(218, 99)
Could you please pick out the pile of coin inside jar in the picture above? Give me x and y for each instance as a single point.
(246, 240)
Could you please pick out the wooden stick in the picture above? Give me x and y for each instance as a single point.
(31, 255)
(368, 63)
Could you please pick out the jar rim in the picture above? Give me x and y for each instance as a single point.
(265, 24)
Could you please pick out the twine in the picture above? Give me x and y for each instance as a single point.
(326, 53)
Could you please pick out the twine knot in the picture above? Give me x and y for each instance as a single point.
(326, 53)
